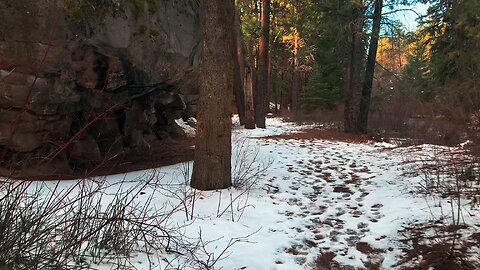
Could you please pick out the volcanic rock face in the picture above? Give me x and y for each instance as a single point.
(82, 81)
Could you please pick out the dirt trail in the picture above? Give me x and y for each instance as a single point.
(329, 186)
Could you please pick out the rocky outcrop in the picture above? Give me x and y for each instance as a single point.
(83, 81)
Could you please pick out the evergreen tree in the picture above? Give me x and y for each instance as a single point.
(261, 97)
(453, 31)
(212, 161)
(325, 86)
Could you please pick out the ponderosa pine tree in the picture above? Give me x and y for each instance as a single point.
(261, 103)
(239, 73)
(362, 121)
(212, 161)
(324, 22)
(453, 28)
(353, 71)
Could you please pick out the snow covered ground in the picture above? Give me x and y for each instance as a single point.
(317, 201)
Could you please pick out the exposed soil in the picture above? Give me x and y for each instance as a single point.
(336, 179)
(323, 134)
(332, 188)
(442, 251)
(169, 152)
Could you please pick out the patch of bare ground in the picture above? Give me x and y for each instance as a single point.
(168, 152)
(443, 248)
(326, 261)
(323, 134)
(364, 247)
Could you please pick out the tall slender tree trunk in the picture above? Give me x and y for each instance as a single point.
(362, 125)
(269, 79)
(295, 75)
(249, 112)
(239, 69)
(286, 74)
(261, 106)
(296, 84)
(272, 95)
(252, 51)
(212, 161)
(275, 99)
(249, 83)
(353, 86)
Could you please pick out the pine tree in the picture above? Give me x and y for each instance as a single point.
(323, 26)
(262, 102)
(362, 124)
(212, 161)
(353, 69)
(453, 29)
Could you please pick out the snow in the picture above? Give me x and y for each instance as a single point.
(315, 196)
(189, 131)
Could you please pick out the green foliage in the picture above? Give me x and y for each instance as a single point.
(377, 99)
(278, 85)
(80, 10)
(144, 30)
(322, 91)
(140, 5)
(417, 71)
(250, 26)
(453, 31)
(325, 86)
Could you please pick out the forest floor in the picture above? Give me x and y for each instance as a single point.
(315, 199)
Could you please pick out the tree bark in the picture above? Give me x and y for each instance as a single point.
(239, 69)
(286, 94)
(212, 161)
(249, 112)
(362, 125)
(295, 77)
(353, 68)
(261, 106)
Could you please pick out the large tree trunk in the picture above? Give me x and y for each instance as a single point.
(354, 68)
(362, 125)
(212, 161)
(239, 72)
(261, 106)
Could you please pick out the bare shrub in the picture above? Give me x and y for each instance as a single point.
(247, 168)
(82, 224)
(179, 190)
(85, 224)
(399, 111)
(451, 176)
(328, 118)
(207, 260)
(431, 248)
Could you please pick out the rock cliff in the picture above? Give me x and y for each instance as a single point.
(83, 81)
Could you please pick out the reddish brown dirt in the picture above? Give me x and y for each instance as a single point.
(169, 152)
(364, 247)
(323, 134)
(439, 252)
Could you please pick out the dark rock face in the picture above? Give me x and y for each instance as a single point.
(81, 83)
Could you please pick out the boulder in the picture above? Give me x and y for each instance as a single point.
(88, 82)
